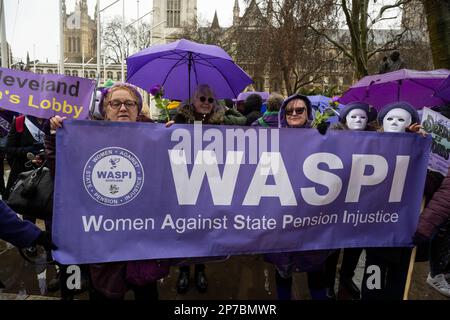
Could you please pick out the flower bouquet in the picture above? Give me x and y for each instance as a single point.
(162, 104)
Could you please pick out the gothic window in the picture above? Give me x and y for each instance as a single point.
(173, 13)
(92, 74)
(119, 76)
(102, 74)
(70, 44)
(78, 45)
(109, 75)
(75, 73)
(39, 71)
(50, 71)
(86, 74)
(67, 72)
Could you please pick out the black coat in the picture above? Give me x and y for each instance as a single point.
(19, 144)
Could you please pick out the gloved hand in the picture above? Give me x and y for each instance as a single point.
(419, 239)
(45, 239)
(322, 128)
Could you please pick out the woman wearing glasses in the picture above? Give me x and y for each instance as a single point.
(121, 102)
(206, 109)
(295, 112)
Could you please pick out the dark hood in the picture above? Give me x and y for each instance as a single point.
(281, 115)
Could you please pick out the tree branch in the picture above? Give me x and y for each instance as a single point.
(383, 9)
(336, 44)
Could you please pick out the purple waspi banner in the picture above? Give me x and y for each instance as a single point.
(45, 95)
(133, 191)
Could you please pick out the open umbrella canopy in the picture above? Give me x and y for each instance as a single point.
(320, 103)
(444, 90)
(182, 65)
(416, 87)
(243, 95)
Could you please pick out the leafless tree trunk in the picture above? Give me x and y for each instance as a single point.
(360, 25)
(438, 18)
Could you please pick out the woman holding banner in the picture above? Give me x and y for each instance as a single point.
(357, 116)
(110, 281)
(295, 112)
(205, 109)
(390, 263)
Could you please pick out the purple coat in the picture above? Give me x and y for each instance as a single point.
(19, 233)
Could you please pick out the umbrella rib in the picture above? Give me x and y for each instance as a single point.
(164, 57)
(173, 67)
(220, 72)
(195, 72)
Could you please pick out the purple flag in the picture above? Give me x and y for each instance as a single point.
(45, 95)
(133, 191)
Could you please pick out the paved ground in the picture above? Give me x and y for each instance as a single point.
(238, 278)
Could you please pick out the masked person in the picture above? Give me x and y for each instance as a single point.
(393, 263)
(356, 116)
(110, 281)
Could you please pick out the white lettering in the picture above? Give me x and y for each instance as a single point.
(331, 181)
(359, 179)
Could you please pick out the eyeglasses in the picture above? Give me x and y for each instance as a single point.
(129, 104)
(290, 112)
(203, 99)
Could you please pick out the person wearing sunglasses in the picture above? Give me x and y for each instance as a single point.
(205, 108)
(295, 112)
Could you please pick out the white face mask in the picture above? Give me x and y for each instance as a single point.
(356, 119)
(396, 120)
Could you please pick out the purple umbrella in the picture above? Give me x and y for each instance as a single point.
(444, 90)
(243, 96)
(181, 65)
(415, 87)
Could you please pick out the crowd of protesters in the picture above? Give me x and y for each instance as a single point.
(123, 102)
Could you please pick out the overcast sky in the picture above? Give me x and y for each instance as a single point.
(33, 25)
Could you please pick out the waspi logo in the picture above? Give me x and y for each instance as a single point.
(113, 176)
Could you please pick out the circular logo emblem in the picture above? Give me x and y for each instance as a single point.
(113, 176)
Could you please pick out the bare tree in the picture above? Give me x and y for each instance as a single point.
(279, 42)
(298, 52)
(114, 41)
(361, 19)
(206, 35)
